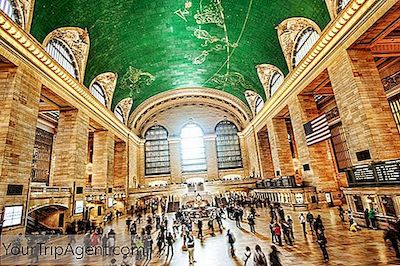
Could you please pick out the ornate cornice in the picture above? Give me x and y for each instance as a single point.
(126, 105)
(288, 33)
(265, 72)
(77, 40)
(21, 48)
(251, 97)
(170, 98)
(108, 81)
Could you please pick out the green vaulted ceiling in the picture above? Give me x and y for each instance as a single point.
(155, 46)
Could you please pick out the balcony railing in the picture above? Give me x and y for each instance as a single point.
(375, 174)
(280, 182)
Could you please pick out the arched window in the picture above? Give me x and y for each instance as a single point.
(9, 7)
(228, 147)
(276, 82)
(98, 92)
(306, 40)
(192, 149)
(342, 4)
(259, 104)
(59, 51)
(157, 151)
(119, 113)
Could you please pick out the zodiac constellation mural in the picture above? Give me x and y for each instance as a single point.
(135, 80)
(209, 17)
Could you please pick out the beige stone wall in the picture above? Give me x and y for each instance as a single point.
(280, 148)
(103, 159)
(322, 173)
(19, 105)
(211, 155)
(252, 152)
(363, 107)
(70, 149)
(120, 165)
(133, 155)
(175, 160)
(264, 149)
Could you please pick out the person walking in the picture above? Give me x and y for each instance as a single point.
(303, 223)
(237, 218)
(366, 218)
(200, 229)
(371, 216)
(259, 257)
(274, 257)
(322, 241)
(273, 236)
(128, 223)
(289, 221)
(251, 222)
(231, 242)
(341, 213)
(148, 246)
(170, 241)
(278, 233)
(190, 248)
(247, 254)
(310, 220)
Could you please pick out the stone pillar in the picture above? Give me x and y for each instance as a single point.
(316, 157)
(133, 175)
(103, 159)
(280, 148)
(19, 102)
(210, 143)
(267, 166)
(141, 163)
(175, 159)
(363, 107)
(245, 156)
(70, 149)
(120, 165)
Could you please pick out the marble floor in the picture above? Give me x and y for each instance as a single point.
(365, 247)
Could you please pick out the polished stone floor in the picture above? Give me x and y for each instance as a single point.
(365, 247)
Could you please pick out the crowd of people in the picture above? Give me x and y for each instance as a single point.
(153, 233)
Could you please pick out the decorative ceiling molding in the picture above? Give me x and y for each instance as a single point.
(78, 42)
(189, 95)
(108, 81)
(126, 105)
(265, 72)
(288, 32)
(251, 97)
(26, 7)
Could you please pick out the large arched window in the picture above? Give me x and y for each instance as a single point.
(228, 147)
(306, 40)
(9, 7)
(119, 113)
(342, 4)
(259, 104)
(192, 149)
(276, 82)
(59, 51)
(98, 92)
(157, 151)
